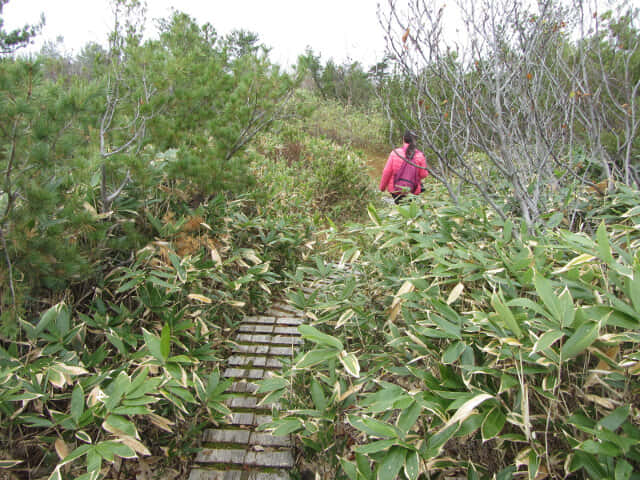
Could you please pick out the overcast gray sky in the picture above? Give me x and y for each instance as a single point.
(339, 29)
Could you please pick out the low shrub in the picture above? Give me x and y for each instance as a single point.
(463, 345)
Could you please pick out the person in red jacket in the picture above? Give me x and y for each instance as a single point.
(399, 176)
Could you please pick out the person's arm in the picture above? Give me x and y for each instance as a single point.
(422, 161)
(386, 173)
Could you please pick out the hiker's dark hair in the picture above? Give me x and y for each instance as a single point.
(411, 149)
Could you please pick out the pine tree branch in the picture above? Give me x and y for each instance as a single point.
(9, 266)
(115, 194)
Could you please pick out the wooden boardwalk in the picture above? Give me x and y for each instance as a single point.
(237, 451)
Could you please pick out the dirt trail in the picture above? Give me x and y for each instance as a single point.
(376, 162)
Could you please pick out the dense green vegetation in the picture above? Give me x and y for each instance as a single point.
(152, 192)
(462, 345)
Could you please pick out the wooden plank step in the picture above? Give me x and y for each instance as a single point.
(286, 330)
(246, 437)
(250, 373)
(243, 386)
(263, 319)
(291, 321)
(259, 362)
(204, 474)
(272, 350)
(238, 456)
(268, 339)
(251, 328)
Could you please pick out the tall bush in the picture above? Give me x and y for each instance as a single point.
(542, 91)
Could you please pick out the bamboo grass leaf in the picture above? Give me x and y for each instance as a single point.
(505, 314)
(311, 333)
(580, 340)
(412, 465)
(350, 363)
(392, 464)
(602, 242)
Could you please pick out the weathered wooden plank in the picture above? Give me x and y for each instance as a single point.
(202, 474)
(234, 456)
(227, 436)
(283, 459)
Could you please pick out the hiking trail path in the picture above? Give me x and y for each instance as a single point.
(236, 450)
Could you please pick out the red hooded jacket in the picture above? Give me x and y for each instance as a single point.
(394, 162)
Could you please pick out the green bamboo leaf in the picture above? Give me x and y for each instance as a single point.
(8, 463)
(506, 473)
(437, 441)
(580, 340)
(373, 427)
(615, 419)
(466, 409)
(138, 381)
(527, 304)
(349, 468)
(131, 284)
(182, 393)
(533, 464)
(453, 352)
(392, 464)
(119, 425)
(154, 345)
(77, 402)
(158, 282)
(602, 242)
(449, 330)
(384, 398)
(412, 465)
(47, 318)
(77, 453)
(175, 261)
(634, 291)
(117, 342)
(364, 466)
(132, 410)
(567, 309)
(116, 391)
(317, 395)
(544, 288)
(109, 449)
(493, 423)
(23, 396)
(272, 383)
(63, 319)
(505, 314)
(624, 470)
(83, 436)
(285, 426)
(409, 417)
(311, 333)
(375, 447)
(546, 340)
(273, 397)
(507, 231)
(315, 357)
(94, 459)
(350, 363)
(606, 449)
(36, 420)
(165, 342)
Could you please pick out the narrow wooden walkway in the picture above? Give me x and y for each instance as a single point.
(237, 451)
